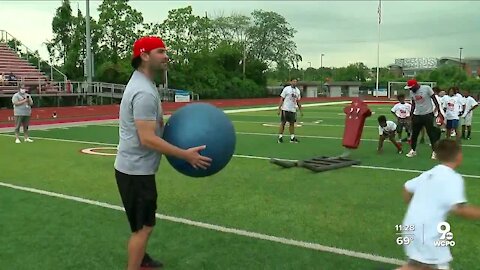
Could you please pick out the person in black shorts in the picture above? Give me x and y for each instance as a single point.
(140, 148)
(289, 100)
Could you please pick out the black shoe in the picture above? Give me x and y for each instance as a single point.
(280, 140)
(469, 138)
(149, 263)
(294, 140)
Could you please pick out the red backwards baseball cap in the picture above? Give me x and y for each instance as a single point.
(411, 83)
(146, 44)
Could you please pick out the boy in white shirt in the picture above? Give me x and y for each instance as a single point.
(453, 107)
(387, 129)
(402, 111)
(431, 197)
(470, 105)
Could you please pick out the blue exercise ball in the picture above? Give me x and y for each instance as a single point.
(200, 124)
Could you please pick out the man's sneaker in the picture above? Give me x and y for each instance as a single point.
(280, 140)
(28, 140)
(294, 140)
(411, 153)
(434, 156)
(469, 138)
(17, 141)
(400, 151)
(149, 263)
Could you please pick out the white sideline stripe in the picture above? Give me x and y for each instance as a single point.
(328, 137)
(240, 156)
(313, 123)
(276, 107)
(281, 240)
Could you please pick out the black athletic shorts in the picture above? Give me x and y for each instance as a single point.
(287, 116)
(139, 197)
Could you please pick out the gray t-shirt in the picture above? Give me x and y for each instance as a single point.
(140, 101)
(23, 109)
(423, 100)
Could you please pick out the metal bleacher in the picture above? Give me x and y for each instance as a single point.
(12, 61)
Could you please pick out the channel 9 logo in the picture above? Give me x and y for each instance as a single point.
(446, 237)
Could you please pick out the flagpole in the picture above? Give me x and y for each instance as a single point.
(378, 45)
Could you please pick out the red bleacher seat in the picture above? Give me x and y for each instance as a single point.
(24, 71)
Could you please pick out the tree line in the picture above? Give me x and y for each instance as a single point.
(231, 56)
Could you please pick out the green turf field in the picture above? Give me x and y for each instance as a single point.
(354, 210)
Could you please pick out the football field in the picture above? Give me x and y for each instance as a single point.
(60, 207)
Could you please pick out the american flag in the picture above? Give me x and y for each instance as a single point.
(379, 11)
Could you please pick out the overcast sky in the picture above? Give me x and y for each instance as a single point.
(345, 31)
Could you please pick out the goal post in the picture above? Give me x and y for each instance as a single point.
(395, 88)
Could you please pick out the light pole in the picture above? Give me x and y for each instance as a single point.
(321, 60)
(461, 66)
(88, 44)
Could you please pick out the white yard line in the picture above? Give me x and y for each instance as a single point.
(238, 156)
(240, 232)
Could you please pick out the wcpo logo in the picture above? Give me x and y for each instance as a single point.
(446, 236)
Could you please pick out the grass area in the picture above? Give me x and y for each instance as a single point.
(351, 208)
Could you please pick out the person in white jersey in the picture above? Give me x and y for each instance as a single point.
(466, 120)
(431, 197)
(289, 101)
(402, 112)
(453, 107)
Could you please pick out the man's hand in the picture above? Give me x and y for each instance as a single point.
(193, 157)
(278, 111)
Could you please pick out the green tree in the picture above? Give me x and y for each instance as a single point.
(63, 31)
(272, 39)
(119, 24)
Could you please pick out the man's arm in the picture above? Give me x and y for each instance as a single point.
(412, 108)
(435, 101)
(407, 196)
(145, 113)
(280, 105)
(282, 98)
(17, 102)
(381, 138)
(300, 107)
(148, 138)
(467, 211)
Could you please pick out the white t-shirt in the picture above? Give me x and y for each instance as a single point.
(435, 193)
(439, 101)
(402, 110)
(391, 126)
(470, 102)
(291, 95)
(443, 101)
(453, 105)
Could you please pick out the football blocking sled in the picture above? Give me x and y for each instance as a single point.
(356, 114)
(318, 164)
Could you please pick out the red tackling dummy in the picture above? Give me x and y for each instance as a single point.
(356, 113)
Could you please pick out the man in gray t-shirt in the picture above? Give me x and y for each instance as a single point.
(423, 114)
(22, 110)
(140, 148)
